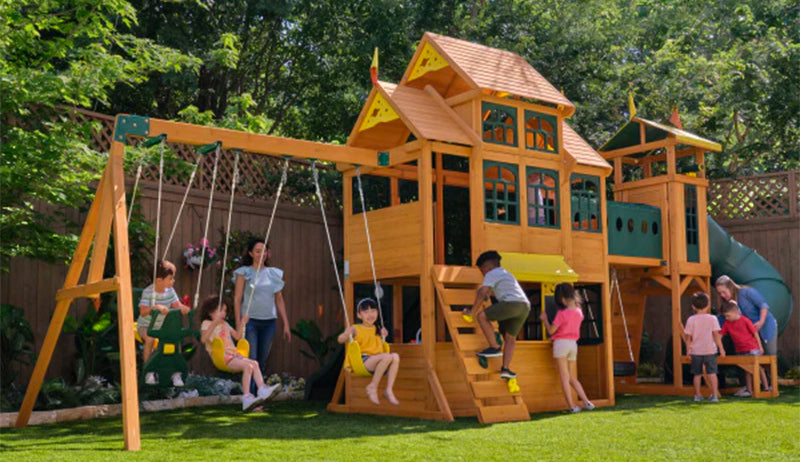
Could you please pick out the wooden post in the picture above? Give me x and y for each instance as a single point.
(127, 345)
(439, 226)
(62, 307)
(426, 289)
(476, 191)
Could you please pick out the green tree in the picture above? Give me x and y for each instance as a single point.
(58, 53)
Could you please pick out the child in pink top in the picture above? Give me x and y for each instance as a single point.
(746, 341)
(703, 341)
(565, 331)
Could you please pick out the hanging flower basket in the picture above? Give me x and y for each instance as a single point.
(195, 254)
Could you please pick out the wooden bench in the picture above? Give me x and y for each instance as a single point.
(751, 365)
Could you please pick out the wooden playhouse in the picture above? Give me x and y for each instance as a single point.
(477, 154)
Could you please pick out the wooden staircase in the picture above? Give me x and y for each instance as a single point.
(455, 288)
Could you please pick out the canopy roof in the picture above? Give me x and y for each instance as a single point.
(629, 135)
(532, 267)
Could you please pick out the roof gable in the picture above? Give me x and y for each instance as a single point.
(418, 111)
(484, 68)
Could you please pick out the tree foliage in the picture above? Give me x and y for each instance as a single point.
(730, 67)
(300, 68)
(58, 53)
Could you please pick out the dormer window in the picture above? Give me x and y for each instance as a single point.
(541, 132)
(499, 124)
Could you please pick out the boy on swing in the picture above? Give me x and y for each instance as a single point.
(159, 296)
(511, 309)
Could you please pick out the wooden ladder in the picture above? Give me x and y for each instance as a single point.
(455, 288)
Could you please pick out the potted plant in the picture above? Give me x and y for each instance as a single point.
(202, 252)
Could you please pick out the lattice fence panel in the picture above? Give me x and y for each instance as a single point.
(772, 195)
(258, 174)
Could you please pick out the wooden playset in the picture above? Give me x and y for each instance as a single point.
(471, 151)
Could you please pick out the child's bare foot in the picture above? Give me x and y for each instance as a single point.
(372, 394)
(390, 396)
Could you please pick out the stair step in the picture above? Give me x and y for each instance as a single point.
(491, 389)
(459, 296)
(474, 368)
(472, 343)
(503, 413)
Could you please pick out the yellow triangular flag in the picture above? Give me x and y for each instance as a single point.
(631, 105)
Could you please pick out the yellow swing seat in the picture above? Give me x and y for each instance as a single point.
(353, 361)
(218, 352)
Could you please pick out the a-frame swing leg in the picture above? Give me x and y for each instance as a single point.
(62, 306)
(107, 211)
(127, 345)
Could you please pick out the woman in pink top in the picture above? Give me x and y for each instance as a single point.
(565, 331)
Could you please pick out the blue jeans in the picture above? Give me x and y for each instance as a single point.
(259, 334)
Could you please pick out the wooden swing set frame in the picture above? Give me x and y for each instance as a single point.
(108, 214)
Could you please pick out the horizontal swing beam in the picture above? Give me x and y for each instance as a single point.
(178, 132)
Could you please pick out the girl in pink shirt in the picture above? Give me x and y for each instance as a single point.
(565, 331)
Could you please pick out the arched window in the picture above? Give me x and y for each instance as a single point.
(500, 192)
(542, 197)
(541, 132)
(585, 202)
(499, 124)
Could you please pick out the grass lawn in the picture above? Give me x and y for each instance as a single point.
(638, 428)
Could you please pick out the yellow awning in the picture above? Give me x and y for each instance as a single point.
(532, 267)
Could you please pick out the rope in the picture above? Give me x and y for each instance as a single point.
(183, 202)
(158, 220)
(330, 244)
(208, 221)
(135, 187)
(266, 237)
(228, 229)
(378, 290)
(615, 282)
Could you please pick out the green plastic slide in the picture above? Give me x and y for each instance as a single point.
(746, 267)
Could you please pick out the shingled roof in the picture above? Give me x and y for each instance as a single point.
(580, 150)
(496, 70)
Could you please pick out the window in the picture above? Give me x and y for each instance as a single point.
(499, 124)
(500, 192)
(542, 197)
(585, 202)
(541, 132)
(692, 232)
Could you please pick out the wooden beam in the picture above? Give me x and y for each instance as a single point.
(178, 132)
(455, 117)
(102, 236)
(639, 148)
(91, 289)
(463, 97)
(663, 281)
(427, 296)
(131, 430)
(438, 227)
(62, 307)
